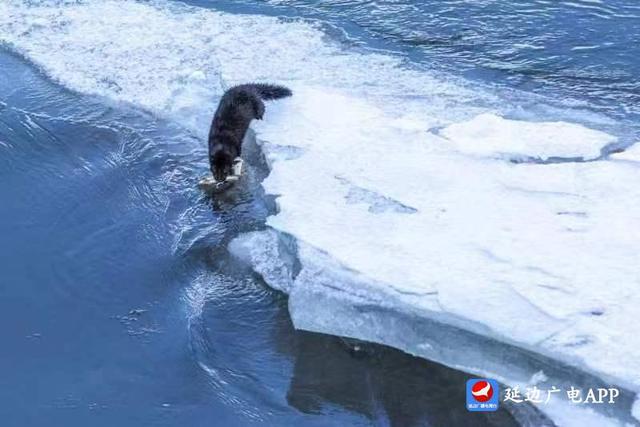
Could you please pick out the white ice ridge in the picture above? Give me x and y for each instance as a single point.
(491, 135)
(631, 153)
(388, 213)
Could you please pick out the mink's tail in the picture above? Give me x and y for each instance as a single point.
(269, 92)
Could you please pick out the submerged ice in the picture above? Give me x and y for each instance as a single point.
(412, 207)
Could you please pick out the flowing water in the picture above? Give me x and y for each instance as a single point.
(119, 304)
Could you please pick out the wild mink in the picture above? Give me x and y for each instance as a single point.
(238, 106)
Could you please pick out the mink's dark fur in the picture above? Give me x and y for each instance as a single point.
(238, 106)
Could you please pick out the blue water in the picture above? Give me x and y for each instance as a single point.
(119, 304)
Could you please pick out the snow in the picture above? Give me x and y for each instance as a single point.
(409, 212)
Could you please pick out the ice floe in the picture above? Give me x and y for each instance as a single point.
(399, 220)
(543, 256)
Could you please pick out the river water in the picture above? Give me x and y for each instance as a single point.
(119, 303)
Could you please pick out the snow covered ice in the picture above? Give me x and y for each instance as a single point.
(543, 256)
(413, 209)
(540, 256)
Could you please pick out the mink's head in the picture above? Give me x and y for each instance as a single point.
(222, 164)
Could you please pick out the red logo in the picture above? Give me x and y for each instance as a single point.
(482, 391)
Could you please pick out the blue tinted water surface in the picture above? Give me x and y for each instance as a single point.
(119, 304)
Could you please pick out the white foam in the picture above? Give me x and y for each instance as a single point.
(540, 256)
(493, 136)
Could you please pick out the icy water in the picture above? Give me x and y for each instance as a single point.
(119, 304)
